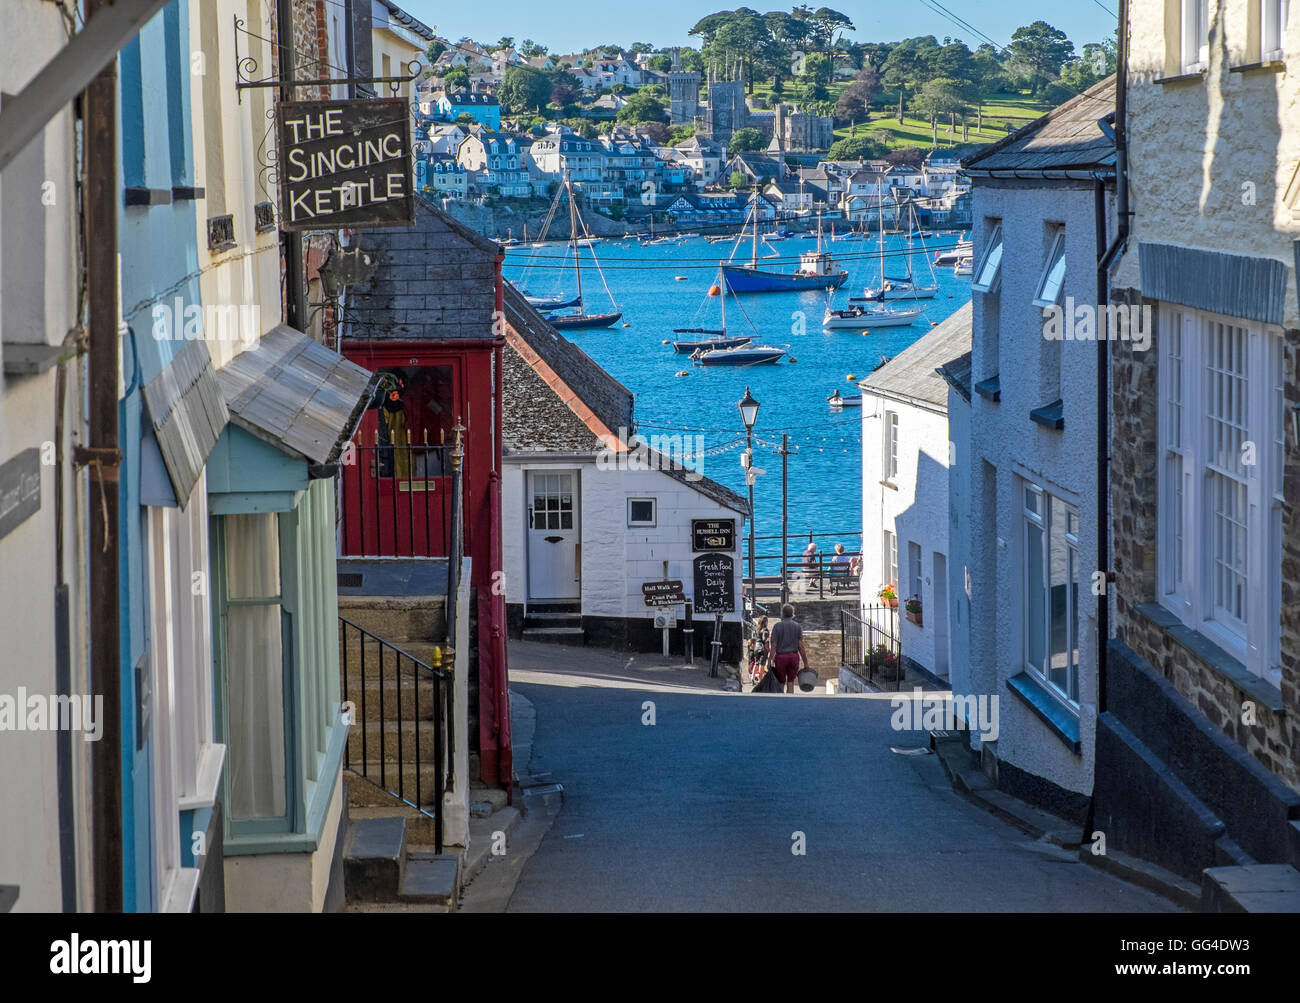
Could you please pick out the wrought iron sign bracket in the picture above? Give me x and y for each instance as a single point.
(246, 66)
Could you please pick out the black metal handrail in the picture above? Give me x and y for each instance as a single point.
(870, 640)
(375, 659)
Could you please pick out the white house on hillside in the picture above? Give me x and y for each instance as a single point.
(905, 457)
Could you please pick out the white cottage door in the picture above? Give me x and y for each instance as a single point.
(553, 535)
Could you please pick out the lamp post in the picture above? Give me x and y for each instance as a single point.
(748, 415)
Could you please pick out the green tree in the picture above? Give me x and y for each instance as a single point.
(738, 180)
(565, 88)
(857, 148)
(907, 66)
(1042, 49)
(986, 78)
(940, 96)
(746, 141)
(531, 50)
(642, 107)
(524, 89)
(680, 134)
(661, 64)
(436, 48)
(457, 78)
(504, 42)
(827, 25)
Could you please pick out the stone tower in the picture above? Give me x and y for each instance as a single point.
(683, 92)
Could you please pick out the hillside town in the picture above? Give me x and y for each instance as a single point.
(408, 504)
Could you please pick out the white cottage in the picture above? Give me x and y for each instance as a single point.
(905, 461)
(584, 524)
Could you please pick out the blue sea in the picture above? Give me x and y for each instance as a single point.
(825, 469)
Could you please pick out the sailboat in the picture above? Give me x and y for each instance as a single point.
(863, 318)
(816, 268)
(895, 288)
(721, 349)
(581, 319)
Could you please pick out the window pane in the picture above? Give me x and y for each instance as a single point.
(252, 556)
(1054, 280)
(1035, 598)
(1058, 569)
(993, 262)
(255, 704)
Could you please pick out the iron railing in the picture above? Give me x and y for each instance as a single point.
(379, 673)
(396, 500)
(822, 572)
(871, 642)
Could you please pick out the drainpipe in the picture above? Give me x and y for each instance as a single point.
(103, 458)
(497, 606)
(1105, 262)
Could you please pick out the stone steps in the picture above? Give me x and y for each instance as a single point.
(380, 869)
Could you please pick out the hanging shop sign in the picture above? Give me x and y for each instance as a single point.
(345, 164)
(20, 489)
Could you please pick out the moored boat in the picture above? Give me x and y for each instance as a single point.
(717, 339)
(859, 318)
(817, 269)
(837, 400)
(744, 355)
(580, 320)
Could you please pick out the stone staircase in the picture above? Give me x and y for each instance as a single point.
(554, 623)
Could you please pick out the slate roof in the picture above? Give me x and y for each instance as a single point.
(556, 399)
(296, 394)
(188, 413)
(912, 375)
(1066, 138)
(433, 282)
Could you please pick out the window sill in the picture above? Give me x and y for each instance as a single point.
(990, 389)
(1264, 66)
(1050, 415)
(1224, 665)
(889, 484)
(208, 782)
(1063, 724)
(1182, 78)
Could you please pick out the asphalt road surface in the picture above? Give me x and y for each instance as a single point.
(705, 808)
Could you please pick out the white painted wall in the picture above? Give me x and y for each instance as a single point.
(1064, 462)
(915, 509)
(959, 554)
(616, 558)
(39, 306)
(1232, 136)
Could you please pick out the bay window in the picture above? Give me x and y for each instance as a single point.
(1220, 482)
(1050, 544)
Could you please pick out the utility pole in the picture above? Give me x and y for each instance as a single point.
(785, 581)
(295, 292)
(103, 458)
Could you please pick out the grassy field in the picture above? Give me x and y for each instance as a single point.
(1003, 113)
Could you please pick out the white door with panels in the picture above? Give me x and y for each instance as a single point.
(554, 571)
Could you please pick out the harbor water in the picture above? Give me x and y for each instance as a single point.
(664, 285)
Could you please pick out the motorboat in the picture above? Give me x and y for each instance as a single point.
(743, 355)
(965, 267)
(836, 400)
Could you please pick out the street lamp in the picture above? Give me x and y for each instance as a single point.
(748, 415)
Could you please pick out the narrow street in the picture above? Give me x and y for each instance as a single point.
(699, 811)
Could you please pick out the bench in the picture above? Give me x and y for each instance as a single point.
(840, 579)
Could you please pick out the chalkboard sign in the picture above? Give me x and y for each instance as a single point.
(345, 164)
(713, 534)
(665, 593)
(715, 583)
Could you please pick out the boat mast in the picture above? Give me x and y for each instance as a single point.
(722, 288)
(573, 236)
(753, 212)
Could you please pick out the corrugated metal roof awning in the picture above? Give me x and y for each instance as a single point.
(296, 394)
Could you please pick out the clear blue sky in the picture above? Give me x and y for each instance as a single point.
(570, 25)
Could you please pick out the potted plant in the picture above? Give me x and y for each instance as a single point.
(884, 660)
(913, 607)
(889, 596)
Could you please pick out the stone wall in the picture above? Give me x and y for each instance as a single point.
(1274, 738)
